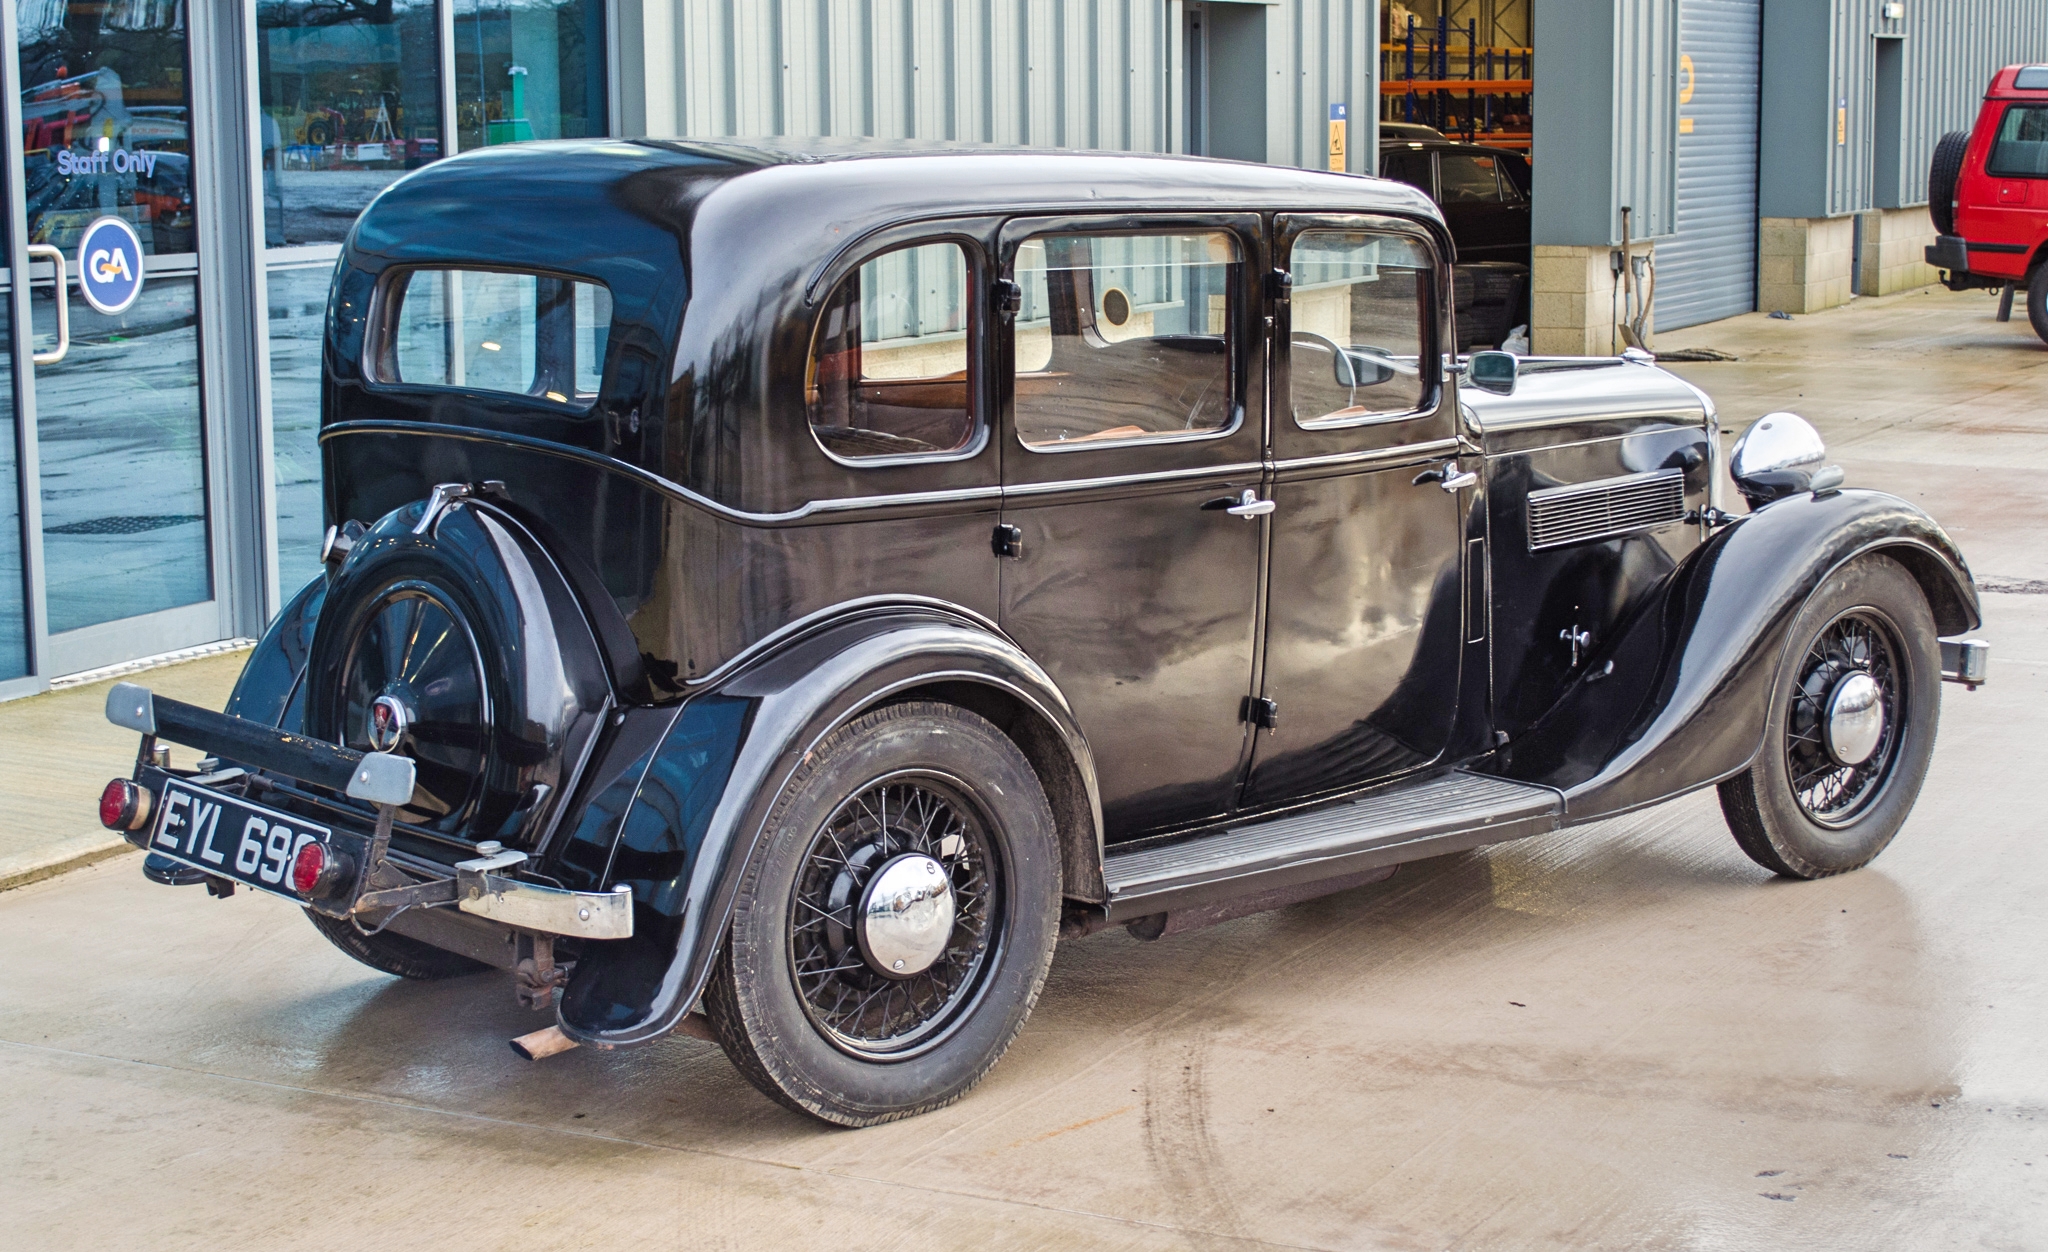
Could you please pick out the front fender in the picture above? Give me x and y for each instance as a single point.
(698, 811)
(1685, 701)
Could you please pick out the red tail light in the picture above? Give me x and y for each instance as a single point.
(123, 806)
(317, 871)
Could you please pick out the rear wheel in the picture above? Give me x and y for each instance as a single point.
(2037, 301)
(1942, 174)
(889, 942)
(394, 953)
(1851, 727)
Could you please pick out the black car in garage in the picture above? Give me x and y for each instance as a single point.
(1485, 196)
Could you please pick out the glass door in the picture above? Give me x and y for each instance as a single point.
(106, 118)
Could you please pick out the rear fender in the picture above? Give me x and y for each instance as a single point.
(700, 804)
(1685, 700)
(270, 691)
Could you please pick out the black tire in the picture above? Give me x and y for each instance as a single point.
(1942, 174)
(788, 1032)
(391, 953)
(2037, 301)
(1869, 616)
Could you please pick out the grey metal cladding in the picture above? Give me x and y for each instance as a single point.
(1605, 508)
(1821, 57)
(1095, 74)
(1707, 270)
(1606, 115)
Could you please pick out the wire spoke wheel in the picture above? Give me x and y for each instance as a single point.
(861, 1003)
(1833, 786)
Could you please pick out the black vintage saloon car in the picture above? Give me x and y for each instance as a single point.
(777, 594)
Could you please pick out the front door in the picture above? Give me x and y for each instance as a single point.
(1363, 622)
(1133, 435)
(106, 115)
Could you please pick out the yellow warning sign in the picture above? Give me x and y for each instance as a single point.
(1338, 126)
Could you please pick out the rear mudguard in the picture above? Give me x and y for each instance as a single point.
(1678, 698)
(270, 690)
(702, 787)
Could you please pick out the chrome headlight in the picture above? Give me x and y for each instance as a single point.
(1781, 455)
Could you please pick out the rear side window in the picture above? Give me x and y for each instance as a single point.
(1408, 165)
(1468, 178)
(2021, 149)
(1124, 337)
(888, 374)
(494, 330)
(1359, 309)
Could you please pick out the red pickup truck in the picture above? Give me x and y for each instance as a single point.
(1988, 193)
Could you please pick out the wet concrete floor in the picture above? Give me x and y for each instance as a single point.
(1623, 1036)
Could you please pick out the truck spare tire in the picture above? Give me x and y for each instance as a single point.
(1942, 173)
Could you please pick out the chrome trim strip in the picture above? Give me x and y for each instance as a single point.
(1450, 446)
(656, 482)
(1235, 469)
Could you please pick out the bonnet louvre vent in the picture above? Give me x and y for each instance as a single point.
(1605, 508)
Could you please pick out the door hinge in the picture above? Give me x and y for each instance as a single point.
(1005, 297)
(1261, 712)
(1007, 541)
(1279, 284)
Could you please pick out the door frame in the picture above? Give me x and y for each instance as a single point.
(233, 365)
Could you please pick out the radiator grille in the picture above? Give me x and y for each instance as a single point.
(1607, 507)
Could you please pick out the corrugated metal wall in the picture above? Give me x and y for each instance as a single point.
(1820, 70)
(1059, 73)
(1606, 114)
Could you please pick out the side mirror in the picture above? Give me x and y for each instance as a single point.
(1359, 369)
(1493, 371)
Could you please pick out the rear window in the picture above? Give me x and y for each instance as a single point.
(2021, 149)
(494, 330)
(888, 375)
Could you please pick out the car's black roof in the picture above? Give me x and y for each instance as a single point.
(1449, 145)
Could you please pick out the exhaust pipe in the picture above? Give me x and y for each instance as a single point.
(542, 1043)
(550, 1040)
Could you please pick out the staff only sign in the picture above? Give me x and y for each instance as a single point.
(112, 161)
(110, 265)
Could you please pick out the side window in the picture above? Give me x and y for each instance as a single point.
(2021, 149)
(1468, 178)
(1408, 165)
(888, 370)
(1124, 337)
(491, 330)
(1360, 311)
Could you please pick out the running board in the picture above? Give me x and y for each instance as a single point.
(1347, 842)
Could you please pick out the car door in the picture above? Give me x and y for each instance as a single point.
(1132, 463)
(1364, 625)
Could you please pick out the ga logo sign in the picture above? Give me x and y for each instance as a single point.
(110, 265)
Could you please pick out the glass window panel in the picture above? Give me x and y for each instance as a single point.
(1360, 316)
(526, 334)
(350, 99)
(2021, 149)
(298, 317)
(1123, 337)
(888, 370)
(106, 118)
(528, 69)
(1468, 178)
(123, 476)
(1408, 165)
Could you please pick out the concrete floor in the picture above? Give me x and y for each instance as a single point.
(1625, 1036)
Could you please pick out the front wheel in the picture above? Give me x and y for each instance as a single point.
(2037, 301)
(1851, 727)
(892, 936)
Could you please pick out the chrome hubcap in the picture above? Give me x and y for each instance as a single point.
(1855, 719)
(905, 917)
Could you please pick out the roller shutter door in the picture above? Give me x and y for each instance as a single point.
(1707, 270)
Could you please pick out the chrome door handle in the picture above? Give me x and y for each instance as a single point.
(1249, 506)
(1448, 476)
(56, 257)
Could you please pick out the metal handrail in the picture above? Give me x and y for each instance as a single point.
(56, 256)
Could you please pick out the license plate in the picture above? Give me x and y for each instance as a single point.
(231, 838)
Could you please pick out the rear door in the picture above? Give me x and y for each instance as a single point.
(1364, 623)
(1132, 425)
